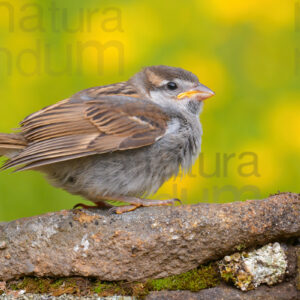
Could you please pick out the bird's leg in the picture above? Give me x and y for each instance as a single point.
(132, 201)
(137, 202)
(98, 205)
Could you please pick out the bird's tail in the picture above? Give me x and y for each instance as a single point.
(11, 144)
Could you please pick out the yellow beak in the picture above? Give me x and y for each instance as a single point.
(200, 93)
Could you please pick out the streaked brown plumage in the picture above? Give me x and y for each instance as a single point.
(72, 129)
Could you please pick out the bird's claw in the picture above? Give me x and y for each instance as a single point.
(177, 200)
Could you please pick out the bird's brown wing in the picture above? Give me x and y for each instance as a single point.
(83, 126)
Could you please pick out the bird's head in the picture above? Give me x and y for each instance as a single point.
(171, 86)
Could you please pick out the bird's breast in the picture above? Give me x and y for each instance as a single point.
(182, 142)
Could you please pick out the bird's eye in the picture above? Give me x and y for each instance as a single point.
(172, 85)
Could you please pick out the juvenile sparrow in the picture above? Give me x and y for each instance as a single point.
(118, 142)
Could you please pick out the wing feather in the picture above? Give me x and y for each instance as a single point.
(78, 127)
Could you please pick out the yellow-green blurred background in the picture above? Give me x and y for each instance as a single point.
(246, 51)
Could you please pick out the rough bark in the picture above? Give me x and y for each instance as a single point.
(146, 243)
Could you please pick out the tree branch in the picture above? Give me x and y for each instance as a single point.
(146, 243)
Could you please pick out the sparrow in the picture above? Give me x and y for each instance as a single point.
(117, 142)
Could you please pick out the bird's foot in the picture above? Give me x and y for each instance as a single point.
(137, 202)
(149, 202)
(98, 205)
(121, 209)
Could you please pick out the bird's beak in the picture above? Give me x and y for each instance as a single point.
(200, 93)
